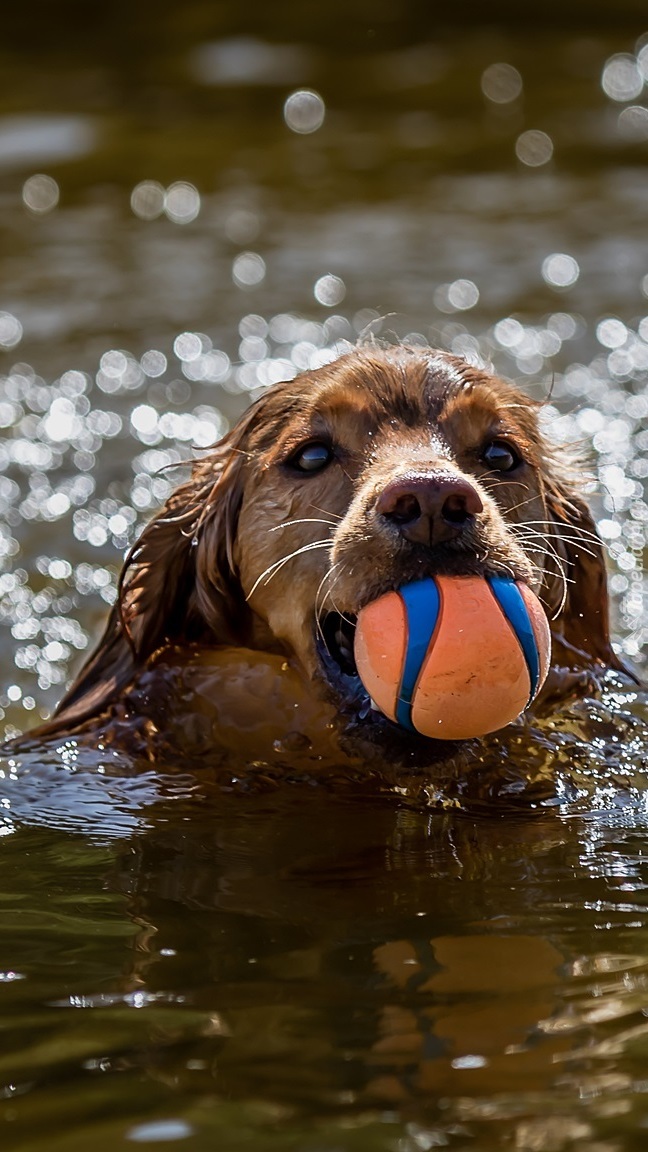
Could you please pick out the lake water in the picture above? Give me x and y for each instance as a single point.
(196, 201)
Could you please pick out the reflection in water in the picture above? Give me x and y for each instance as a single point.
(333, 967)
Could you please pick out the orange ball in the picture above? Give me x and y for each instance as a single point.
(455, 656)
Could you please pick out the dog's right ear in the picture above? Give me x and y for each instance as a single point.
(178, 583)
(581, 627)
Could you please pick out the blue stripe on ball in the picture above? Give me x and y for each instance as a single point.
(422, 603)
(511, 601)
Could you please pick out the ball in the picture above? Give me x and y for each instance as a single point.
(455, 656)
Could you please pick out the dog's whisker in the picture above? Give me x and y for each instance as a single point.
(495, 475)
(558, 526)
(272, 569)
(327, 575)
(530, 534)
(520, 504)
(550, 553)
(327, 512)
(329, 593)
(560, 573)
(571, 532)
(507, 569)
(579, 543)
(303, 520)
(563, 599)
(320, 586)
(334, 605)
(319, 601)
(568, 539)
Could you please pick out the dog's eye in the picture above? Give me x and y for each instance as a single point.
(501, 457)
(312, 457)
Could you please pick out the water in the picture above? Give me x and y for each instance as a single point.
(302, 971)
(312, 966)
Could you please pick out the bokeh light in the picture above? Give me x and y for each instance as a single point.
(622, 78)
(147, 200)
(459, 296)
(248, 270)
(633, 122)
(153, 363)
(534, 148)
(612, 333)
(189, 346)
(329, 290)
(560, 270)
(40, 193)
(11, 330)
(304, 111)
(501, 83)
(182, 202)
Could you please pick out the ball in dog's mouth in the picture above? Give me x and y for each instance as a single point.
(451, 657)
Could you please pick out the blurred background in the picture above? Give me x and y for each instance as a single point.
(199, 199)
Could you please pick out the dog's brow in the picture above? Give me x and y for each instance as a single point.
(348, 414)
(474, 409)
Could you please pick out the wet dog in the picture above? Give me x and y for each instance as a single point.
(383, 467)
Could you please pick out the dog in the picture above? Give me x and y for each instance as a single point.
(236, 606)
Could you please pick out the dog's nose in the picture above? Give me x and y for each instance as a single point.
(429, 509)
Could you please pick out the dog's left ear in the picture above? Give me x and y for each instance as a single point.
(178, 583)
(582, 625)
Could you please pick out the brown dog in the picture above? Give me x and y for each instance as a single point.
(383, 467)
